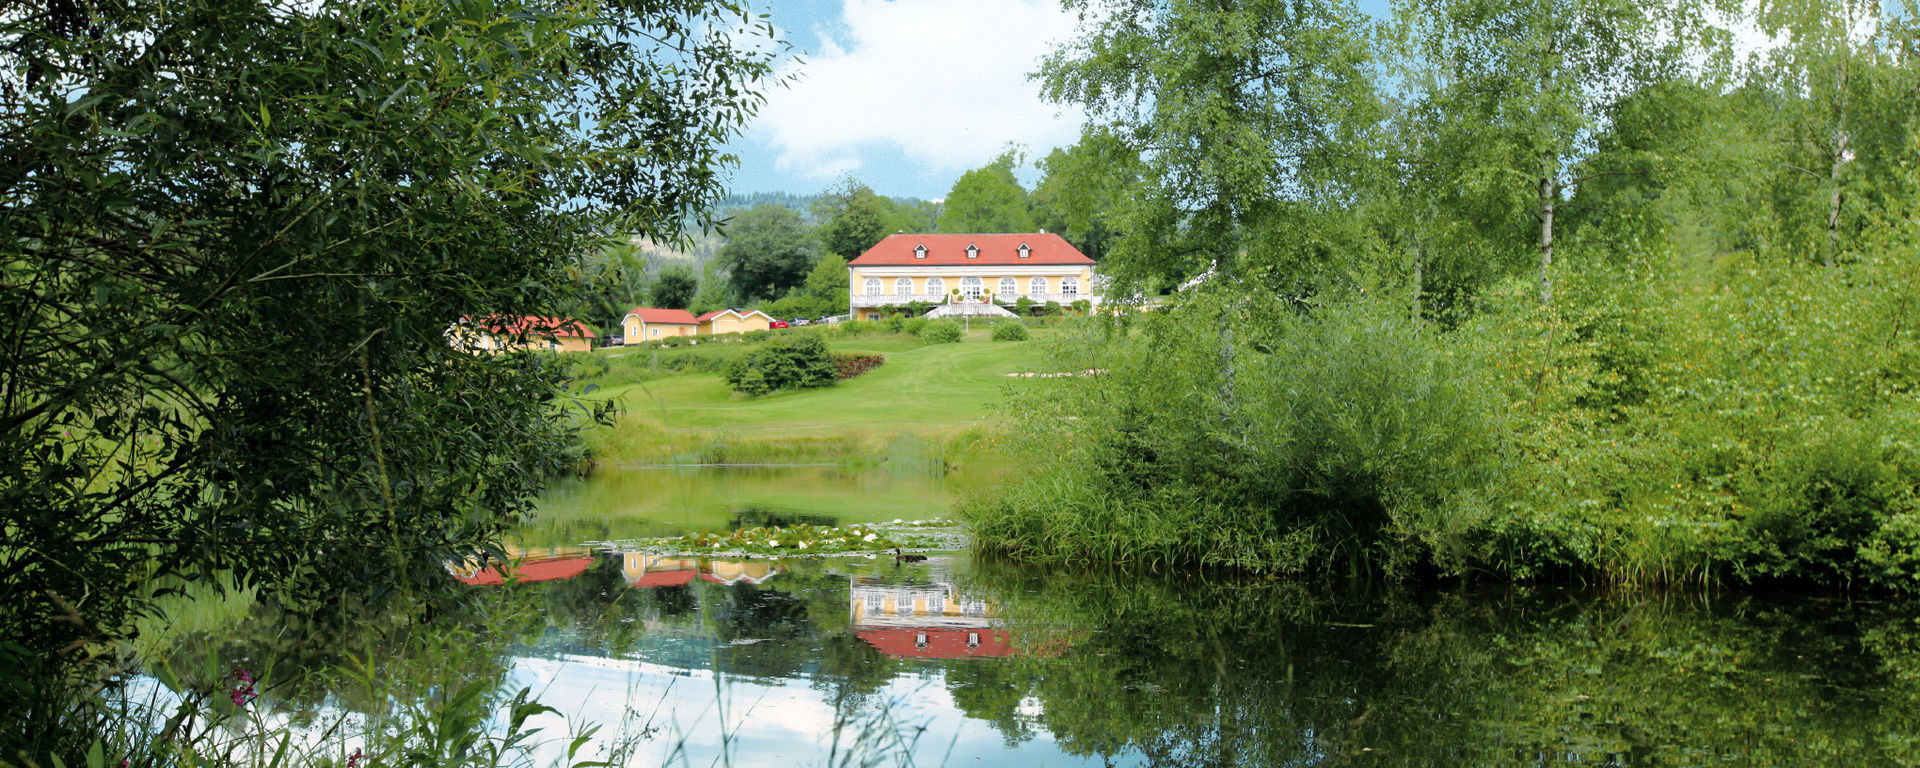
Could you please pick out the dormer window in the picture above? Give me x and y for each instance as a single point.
(1025, 251)
(973, 251)
(920, 251)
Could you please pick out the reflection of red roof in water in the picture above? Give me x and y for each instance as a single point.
(663, 579)
(939, 643)
(533, 570)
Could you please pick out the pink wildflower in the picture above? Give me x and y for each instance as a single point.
(353, 760)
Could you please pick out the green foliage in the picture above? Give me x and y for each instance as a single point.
(988, 199)
(940, 332)
(1083, 189)
(767, 252)
(790, 361)
(232, 260)
(673, 288)
(1010, 330)
(1340, 438)
(852, 218)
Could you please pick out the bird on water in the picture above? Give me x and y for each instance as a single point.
(900, 558)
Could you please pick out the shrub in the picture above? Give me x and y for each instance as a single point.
(1023, 306)
(1286, 443)
(1010, 331)
(941, 332)
(1082, 306)
(799, 361)
(914, 325)
(1052, 308)
(896, 323)
(847, 366)
(858, 327)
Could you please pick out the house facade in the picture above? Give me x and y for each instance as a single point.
(939, 269)
(649, 324)
(503, 333)
(733, 321)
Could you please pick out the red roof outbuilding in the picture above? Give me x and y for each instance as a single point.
(533, 325)
(667, 316)
(927, 250)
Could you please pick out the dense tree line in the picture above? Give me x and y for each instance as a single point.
(1520, 287)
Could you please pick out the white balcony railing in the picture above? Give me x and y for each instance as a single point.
(898, 299)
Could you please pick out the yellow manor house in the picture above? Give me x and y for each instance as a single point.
(939, 269)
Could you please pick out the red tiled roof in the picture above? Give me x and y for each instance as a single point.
(531, 325)
(942, 643)
(711, 315)
(542, 570)
(951, 250)
(668, 316)
(663, 579)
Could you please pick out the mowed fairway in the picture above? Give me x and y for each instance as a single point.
(931, 390)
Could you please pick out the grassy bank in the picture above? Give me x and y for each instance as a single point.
(927, 403)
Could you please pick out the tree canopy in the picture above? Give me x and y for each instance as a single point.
(238, 236)
(988, 199)
(768, 251)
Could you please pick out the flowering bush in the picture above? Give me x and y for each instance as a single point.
(847, 365)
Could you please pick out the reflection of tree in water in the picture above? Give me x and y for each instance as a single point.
(1178, 671)
(674, 601)
(756, 517)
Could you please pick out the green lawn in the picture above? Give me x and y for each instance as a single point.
(938, 393)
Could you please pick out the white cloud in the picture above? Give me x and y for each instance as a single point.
(942, 82)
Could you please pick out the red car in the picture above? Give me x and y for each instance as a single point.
(777, 324)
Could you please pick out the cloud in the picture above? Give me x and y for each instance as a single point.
(942, 83)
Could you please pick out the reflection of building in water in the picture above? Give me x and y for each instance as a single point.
(529, 564)
(644, 570)
(927, 620)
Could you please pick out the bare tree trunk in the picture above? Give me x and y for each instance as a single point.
(1547, 196)
(1833, 204)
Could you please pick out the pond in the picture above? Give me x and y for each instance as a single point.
(965, 660)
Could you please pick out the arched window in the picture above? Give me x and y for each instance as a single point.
(1070, 287)
(873, 286)
(902, 287)
(1037, 288)
(936, 289)
(971, 288)
(1006, 289)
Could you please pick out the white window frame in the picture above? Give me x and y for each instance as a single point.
(972, 288)
(973, 251)
(1070, 288)
(1037, 287)
(903, 287)
(936, 289)
(920, 251)
(873, 287)
(1008, 288)
(1025, 251)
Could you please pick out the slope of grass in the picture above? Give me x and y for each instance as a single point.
(953, 396)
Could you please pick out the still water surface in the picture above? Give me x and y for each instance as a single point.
(961, 660)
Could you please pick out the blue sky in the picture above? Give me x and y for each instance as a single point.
(905, 95)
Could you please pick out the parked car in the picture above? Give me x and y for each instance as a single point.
(799, 321)
(777, 324)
